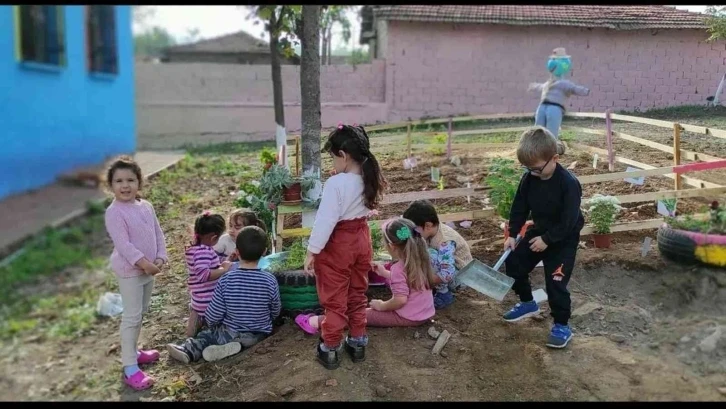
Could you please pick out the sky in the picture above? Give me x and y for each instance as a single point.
(213, 21)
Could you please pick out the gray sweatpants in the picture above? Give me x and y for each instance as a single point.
(135, 297)
(219, 335)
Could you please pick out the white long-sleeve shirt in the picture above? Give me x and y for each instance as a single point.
(342, 200)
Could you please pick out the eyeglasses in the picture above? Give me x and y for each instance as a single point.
(540, 169)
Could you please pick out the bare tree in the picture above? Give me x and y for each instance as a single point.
(309, 33)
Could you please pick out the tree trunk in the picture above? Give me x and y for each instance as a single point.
(330, 45)
(280, 134)
(324, 46)
(310, 102)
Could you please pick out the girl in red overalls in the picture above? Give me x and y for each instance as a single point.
(339, 250)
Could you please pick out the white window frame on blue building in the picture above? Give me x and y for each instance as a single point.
(40, 34)
(101, 42)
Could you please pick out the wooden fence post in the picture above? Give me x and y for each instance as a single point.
(448, 140)
(677, 153)
(408, 139)
(297, 156)
(609, 137)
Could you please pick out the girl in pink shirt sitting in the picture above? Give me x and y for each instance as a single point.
(412, 303)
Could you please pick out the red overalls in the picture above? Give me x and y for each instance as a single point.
(341, 271)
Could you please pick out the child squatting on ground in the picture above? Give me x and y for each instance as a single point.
(339, 250)
(245, 303)
(410, 280)
(138, 254)
(204, 267)
(552, 195)
(227, 244)
(449, 252)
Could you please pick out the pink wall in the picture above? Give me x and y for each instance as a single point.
(430, 70)
(481, 69)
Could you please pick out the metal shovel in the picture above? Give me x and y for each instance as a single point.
(488, 280)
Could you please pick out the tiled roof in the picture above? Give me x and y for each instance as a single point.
(240, 42)
(612, 17)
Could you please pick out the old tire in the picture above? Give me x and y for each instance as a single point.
(295, 278)
(676, 246)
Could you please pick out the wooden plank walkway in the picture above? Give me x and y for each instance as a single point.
(24, 215)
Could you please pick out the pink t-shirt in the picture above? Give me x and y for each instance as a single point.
(420, 303)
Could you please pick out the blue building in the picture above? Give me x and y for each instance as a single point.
(66, 91)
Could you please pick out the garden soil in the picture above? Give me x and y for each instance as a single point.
(645, 330)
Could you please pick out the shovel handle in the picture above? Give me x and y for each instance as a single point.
(506, 254)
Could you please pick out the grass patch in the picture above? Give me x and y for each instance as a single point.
(708, 113)
(229, 148)
(50, 252)
(62, 315)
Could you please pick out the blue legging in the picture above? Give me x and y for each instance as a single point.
(549, 116)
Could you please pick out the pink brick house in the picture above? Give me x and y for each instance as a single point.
(443, 60)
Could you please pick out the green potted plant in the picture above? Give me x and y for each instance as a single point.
(503, 181)
(279, 186)
(602, 211)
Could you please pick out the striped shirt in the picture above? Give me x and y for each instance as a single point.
(245, 301)
(201, 260)
(136, 234)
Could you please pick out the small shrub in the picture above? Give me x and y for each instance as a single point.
(602, 211)
(503, 178)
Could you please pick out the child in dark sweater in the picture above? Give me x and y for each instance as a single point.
(552, 195)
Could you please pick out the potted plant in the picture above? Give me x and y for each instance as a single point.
(279, 186)
(503, 181)
(692, 240)
(602, 211)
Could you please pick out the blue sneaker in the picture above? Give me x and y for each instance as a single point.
(521, 311)
(443, 300)
(559, 336)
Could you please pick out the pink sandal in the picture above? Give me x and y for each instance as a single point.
(303, 321)
(138, 381)
(147, 357)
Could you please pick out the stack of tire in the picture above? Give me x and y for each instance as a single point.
(298, 294)
(689, 248)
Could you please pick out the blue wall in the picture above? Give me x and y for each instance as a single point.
(53, 120)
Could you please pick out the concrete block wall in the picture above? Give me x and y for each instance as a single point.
(480, 69)
(198, 103)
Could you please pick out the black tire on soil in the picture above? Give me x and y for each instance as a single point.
(296, 278)
(676, 246)
(295, 312)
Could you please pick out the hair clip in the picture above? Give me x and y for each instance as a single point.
(403, 233)
(355, 125)
(206, 213)
(340, 125)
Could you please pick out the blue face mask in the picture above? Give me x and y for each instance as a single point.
(559, 66)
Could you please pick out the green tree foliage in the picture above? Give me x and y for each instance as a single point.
(152, 41)
(716, 22)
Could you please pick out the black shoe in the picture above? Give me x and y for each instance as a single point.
(357, 353)
(329, 359)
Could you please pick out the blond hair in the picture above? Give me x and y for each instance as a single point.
(536, 144)
(402, 234)
(248, 217)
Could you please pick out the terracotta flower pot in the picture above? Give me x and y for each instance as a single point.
(602, 241)
(292, 193)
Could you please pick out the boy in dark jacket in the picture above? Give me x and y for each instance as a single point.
(552, 195)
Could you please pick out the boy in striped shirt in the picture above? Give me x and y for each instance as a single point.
(244, 304)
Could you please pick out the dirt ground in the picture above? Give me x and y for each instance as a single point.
(645, 329)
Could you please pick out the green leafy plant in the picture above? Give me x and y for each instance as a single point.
(376, 238)
(268, 157)
(503, 179)
(308, 183)
(714, 224)
(602, 211)
(438, 144)
(273, 181)
(294, 260)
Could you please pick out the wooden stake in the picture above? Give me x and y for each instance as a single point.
(448, 140)
(297, 156)
(408, 138)
(677, 153)
(609, 136)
